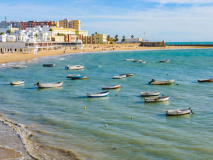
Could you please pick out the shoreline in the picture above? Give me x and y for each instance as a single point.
(20, 57)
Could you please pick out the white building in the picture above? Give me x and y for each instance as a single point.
(133, 40)
(3, 38)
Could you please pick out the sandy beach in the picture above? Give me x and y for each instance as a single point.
(14, 57)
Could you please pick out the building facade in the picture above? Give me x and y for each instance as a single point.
(76, 24)
(13, 24)
(32, 24)
(64, 23)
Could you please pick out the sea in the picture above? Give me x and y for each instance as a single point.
(65, 124)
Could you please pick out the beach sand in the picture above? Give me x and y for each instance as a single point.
(14, 57)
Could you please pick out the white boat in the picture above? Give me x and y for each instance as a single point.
(164, 61)
(17, 82)
(156, 99)
(205, 80)
(72, 75)
(128, 59)
(140, 60)
(111, 87)
(119, 77)
(49, 85)
(96, 95)
(167, 82)
(19, 67)
(127, 75)
(147, 94)
(143, 62)
(75, 67)
(178, 112)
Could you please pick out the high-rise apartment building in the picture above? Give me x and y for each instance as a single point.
(64, 23)
(76, 24)
(32, 24)
(13, 24)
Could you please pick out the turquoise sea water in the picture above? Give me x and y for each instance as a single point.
(136, 130)
(189, 43)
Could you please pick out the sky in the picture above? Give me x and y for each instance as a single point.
(155, 20)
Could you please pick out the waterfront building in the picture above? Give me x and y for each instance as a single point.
(64, 23)
(84, 33)
(32, 24)
(100, 39)
(13, 24)
(133, 40)
(76, 24)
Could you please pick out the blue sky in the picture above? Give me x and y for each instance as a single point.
(169, 20)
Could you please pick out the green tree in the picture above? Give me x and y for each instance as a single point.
(123, 39)
(36, 35)
(96, 32)
(1, 33)
(132, 36)
(9, 32)
(108, 36)
(116, 38)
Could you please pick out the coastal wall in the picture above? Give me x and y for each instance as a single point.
(153, 44)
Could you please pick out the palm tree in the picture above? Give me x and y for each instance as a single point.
(51, 33)
(8, 31)
(116, 38)
(123, 39)
(1, 33)
(96, 32)
(132, 36)
(108, 37)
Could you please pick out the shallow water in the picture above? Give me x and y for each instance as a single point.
(136, 130)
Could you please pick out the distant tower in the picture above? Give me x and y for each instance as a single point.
(5, 19)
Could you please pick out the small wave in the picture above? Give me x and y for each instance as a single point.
(34, 149)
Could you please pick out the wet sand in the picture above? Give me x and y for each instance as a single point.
(14, 57)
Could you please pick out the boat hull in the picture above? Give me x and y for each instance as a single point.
(75, 67)
(169, 82)
(78, 77)
(148, 94)
(177, 112)
(157, 99)
(205, 80)
(48, 65)
(50, 85)
(17, 82)
(119, 77)
(97, 95)
(111, 87)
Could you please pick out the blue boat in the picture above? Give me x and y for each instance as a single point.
(78, 77)
(96, 95)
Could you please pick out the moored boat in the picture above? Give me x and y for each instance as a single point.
(205, 80)
(96, 95)
(71, 75)
(167, 82)
(75, 67)
(48, 65)
(147, 94)
(128, 59)
(111, 87)
(17, 82)
(19, 67)
(49, 85)
(139, 60)
(178, 112)
(119, 77)
(164, 61)
(78, 77)
(127, 75)
(143, 62)
(156, 99)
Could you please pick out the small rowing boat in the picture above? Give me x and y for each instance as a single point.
(49, 85)
(111, 87)
(148, 94)
(19, 67)
(178, 112)
(78, 77)
(143, 62)
(205, 80)
(71, 75)
(96, 95)
(119, 77)
(156, 99)
(128, 59)
(164, 61)
(127, 75)
(140, 60)
(48, 65)
(17, 82)
(75, 67)
(167, 82)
